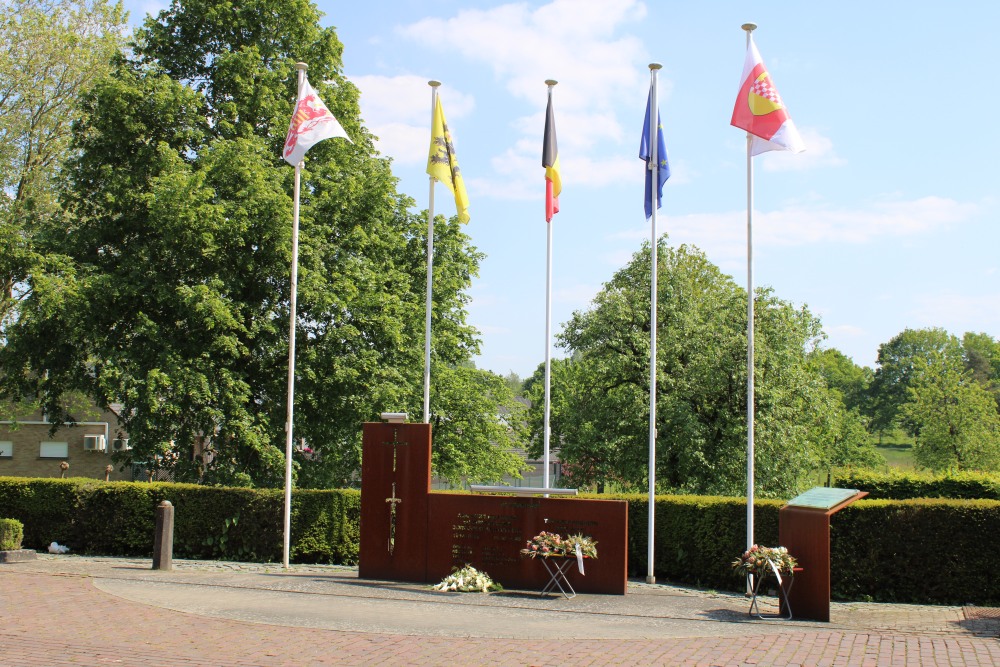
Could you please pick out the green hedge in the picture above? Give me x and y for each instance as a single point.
(919, 551)
(697, 537)
(899, 485)
(118, 518)
(11, 534)
(936, 551)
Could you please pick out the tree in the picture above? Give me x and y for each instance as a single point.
(843, 376)
(982, 358)
(897, 364)
(600, 394)
(51, 52)
(955, 416)
(170, 295)
(478, 427)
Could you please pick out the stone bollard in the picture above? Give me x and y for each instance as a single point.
(163, 540)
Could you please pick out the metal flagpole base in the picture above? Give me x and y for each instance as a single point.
(651, 579)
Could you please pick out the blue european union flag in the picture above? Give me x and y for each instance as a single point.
(661, 156)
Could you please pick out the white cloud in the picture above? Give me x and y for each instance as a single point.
(958, 312)
(397, 110)
(575, 296)
(845, 331)
(573, 41)
(569, 40)
(723, 235)
(819, 153)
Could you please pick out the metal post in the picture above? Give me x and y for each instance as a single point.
(163, 538)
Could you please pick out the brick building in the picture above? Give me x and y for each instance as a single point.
(29, 448)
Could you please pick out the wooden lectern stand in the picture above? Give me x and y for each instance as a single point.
(804, 529)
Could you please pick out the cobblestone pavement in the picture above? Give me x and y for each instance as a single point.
(68, 610)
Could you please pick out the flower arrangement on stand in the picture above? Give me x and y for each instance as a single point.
(554, 545)
(468, 580)
(757, 560)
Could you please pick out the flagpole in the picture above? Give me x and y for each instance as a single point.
(547, 430)
(430, 274)
(749, 28)
(654, 161)
(301, 67)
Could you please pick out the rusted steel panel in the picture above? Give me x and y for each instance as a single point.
(395, 473)
(488, 532)
(806, 534)
(409, 534)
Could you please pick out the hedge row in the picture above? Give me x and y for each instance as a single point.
(918, 551)
(921, 551)
(899, 485)
(117, 519)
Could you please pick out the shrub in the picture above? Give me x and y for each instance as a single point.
(937, 551)
(118, 519)
(900, 485)
(928, 550)
(11, 534)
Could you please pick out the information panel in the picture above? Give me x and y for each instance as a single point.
(822, 497)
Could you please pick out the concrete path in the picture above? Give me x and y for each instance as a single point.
(69, 610)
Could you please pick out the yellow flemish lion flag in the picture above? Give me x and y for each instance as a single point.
(442, 163)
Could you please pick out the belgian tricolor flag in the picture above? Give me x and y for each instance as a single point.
(550, 160)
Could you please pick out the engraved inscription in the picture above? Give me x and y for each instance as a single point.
(485, 539)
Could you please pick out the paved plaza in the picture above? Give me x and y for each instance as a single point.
(71, 610)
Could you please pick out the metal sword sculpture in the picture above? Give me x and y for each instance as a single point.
(393, 501)
(392, 518)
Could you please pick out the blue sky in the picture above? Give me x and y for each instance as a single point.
(888, 221)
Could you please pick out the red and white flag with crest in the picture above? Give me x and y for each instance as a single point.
(760, 111)
(311, 123)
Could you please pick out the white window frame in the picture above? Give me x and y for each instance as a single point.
(46, 452)
(6, 449)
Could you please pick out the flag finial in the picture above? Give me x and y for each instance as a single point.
(749, 27)
(301, 66)
(433, 84)
(655, 66)
(550, 82)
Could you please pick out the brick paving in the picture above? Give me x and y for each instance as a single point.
(62, 618)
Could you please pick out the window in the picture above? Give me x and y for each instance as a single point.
(53, 450)
(6, 449)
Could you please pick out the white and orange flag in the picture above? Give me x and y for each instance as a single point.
(760, 111)
(311, 123)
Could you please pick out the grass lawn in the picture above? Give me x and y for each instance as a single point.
(897, 448)
(899, 457)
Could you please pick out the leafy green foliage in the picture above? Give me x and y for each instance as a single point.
(479, 426)
(600, 393)
(11, 534)
(53, 51)
(882, 550)
(697, 537)
(118, 519)
(877, 545)
(165, 289)
(953, 416)
(843, 376)
(878, 548)
(895, 485)
(46, 507)
(897, 369)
